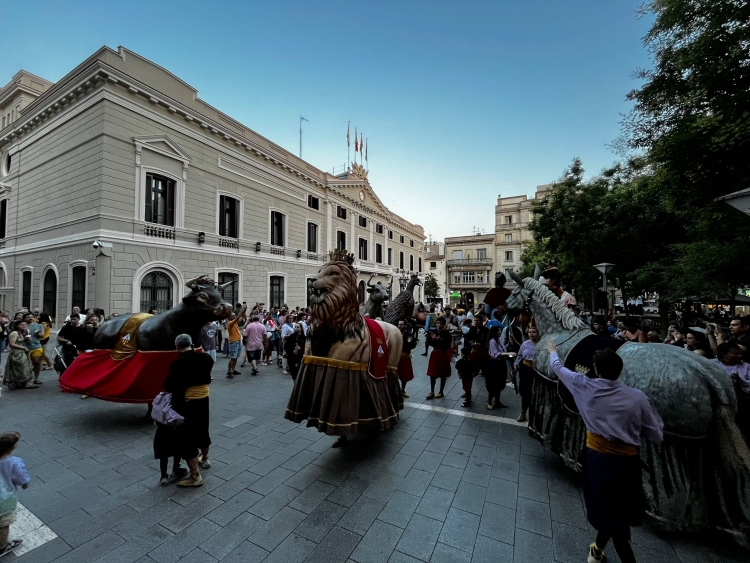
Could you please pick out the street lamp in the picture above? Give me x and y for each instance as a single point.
(605, 268)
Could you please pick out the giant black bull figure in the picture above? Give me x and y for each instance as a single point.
(132, 353)
(204, 303)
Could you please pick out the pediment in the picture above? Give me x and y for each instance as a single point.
(371, 199)
(163, 145)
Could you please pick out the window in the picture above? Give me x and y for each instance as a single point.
(312, 237)
(362, 249)
(509, 256)
(482, 253)
(401, 260)
(340, 240)
(420, 265)
(313, 202)
(156, 292)
(8, 161)
(509, 219)
(340, 212)
(159, 200)
(277, 228)
(411, 262)
(276, 297)
(379, 253)
(362, 221)
(411, 243)
(229, 217)
(390, 257)
(26, 290)
(509, 238)
(468, 277)
(456, 277)
(230, 293)
(401, 239)
(433, 265)
(390, 235)
(49, 295)
(361, 292)
(379, 229)
(3, 217)
(78, 294)
(458, 254)
(480, 277)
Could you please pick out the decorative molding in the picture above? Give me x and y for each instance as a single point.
(178, 282)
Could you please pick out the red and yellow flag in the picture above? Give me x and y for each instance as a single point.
(356, 141)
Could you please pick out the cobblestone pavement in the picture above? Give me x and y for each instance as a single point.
(440, 487)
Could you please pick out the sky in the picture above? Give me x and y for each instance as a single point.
(460, 101)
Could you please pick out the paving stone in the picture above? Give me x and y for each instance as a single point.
(232, 535)
(647, 537)
(187, 515)
(235, 422)
(447, 554)
(435, 503)
(571, 543)
(401, 464)
(246, 552)
(460, 529)
(486, 439)
(568, 510)
(470, 498)
(349, 491)
(456, 458)
(415, 482)
(305, 477)
(477, 473)
(311, 497)
(271, 480)
(335, 547)
(50, 551)
(398, 557)
(183, 543)
(651, 555)
(464, 442)
(502, 492)
(273, 502)
(419, 537)
(439, 445)
(91, 550)
(414, 447)
(533, 548)
(533, 516)
(320, 521)
(498, 522)
(446, 431)
(300, 460)
(230, 488)
(274, 531)
(470, 427)
(399, 509)
(294, 549)
(377, 544)
(533, 487)
(429, 461)
(233, 507)
(447, 478)
(361, 515)
(488, 550)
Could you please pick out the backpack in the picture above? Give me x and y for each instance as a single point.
(162, 411)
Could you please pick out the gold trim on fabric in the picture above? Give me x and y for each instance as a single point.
(333, 363)
(196, 392)
(606, 446)
(392, 369)
(528, 363)
(405, 355)
(358, 421)
(127, 338)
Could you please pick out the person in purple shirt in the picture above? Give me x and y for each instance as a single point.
(729, 359)
(616, 416)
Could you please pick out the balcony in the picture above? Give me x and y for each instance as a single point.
(469, 285)
(470, 262)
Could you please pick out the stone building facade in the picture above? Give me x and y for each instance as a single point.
(118, 183)
(469, 267)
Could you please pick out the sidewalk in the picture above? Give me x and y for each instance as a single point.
(439, 487)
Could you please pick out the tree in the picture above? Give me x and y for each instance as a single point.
(431, 287)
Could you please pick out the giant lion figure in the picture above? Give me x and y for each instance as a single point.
(348, 379)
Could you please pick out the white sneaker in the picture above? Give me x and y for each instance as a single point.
(596, 555)
(285, 372)
(205, 464)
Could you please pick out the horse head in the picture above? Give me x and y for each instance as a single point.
(520, 296)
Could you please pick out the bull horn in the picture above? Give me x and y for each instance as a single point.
(369, 282)
(223, 285)
(191, 283)
(515, 277)
(537, 272)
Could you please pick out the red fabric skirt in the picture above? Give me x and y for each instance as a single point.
(405, 369)
(440, 363)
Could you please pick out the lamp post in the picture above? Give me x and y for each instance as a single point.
(605, 268)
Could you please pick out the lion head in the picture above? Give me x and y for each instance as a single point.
(334, 307)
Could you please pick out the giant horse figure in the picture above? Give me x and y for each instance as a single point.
(698, 479)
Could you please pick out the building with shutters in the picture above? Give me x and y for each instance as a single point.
(118, 183)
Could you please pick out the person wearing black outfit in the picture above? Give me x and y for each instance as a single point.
(477, 340)
(294, 348)
(405, 369)
(439, 366)
(188, 381)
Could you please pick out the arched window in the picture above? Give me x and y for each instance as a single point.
(361, 292)
(49, 298)
(26, 289)
(156, 292)
(231, 293)
(276, 292)
(78, 295)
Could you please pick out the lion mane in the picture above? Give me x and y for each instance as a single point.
(337, 317)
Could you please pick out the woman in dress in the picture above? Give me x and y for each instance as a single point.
(270, 342)
(495, 370)
(18, 371)
(439, 366)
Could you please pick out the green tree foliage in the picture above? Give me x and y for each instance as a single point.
(431, 287)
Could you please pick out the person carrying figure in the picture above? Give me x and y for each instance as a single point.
(405, 369)
(616, 417)
(466, 373)
(439, 366)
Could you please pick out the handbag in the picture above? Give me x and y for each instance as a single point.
(162, 411)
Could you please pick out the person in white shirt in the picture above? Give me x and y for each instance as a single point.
(77, 311)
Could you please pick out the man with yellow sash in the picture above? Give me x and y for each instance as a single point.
(616, 416)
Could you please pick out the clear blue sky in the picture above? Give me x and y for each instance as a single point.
(461, 101)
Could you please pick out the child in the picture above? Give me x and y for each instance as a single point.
(13, 474)
(466, 373)
(165, 446)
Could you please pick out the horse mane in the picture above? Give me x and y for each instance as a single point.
(566, 317)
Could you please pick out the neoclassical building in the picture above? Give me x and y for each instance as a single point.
(118, 183)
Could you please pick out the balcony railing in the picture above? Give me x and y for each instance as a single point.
(159, 232)
(470, 262)
(469, 285)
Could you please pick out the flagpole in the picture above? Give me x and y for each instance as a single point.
(348, 145)
(301, 119)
